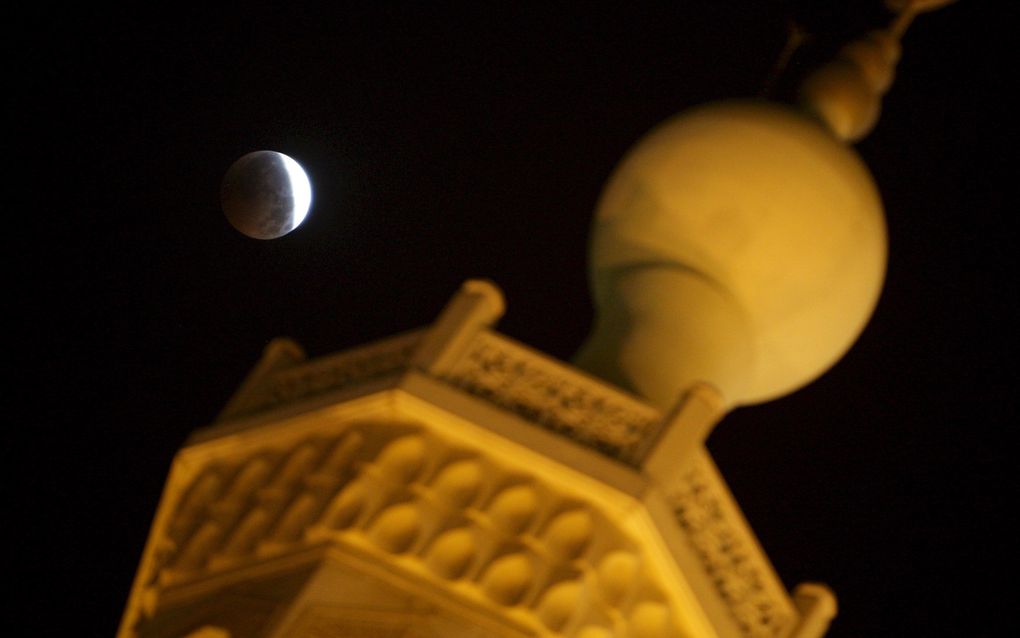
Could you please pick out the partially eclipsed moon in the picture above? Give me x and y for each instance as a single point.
(266, 194)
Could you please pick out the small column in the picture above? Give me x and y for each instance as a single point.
(281, 353)
(477, 305)
(684, 432)
(817, 605)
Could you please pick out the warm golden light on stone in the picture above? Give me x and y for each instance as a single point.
(456, 482)
(451, 482)
(741, 245)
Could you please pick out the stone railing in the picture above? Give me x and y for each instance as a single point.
(433, 509)
(723, 541)
(329, 374)
(555, 396)
(552, 395)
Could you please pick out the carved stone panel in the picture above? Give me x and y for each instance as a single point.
(437, 512)
(551, 394)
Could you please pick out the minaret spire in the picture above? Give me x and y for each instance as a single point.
(846, 93)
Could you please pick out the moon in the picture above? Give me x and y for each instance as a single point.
(265, 194)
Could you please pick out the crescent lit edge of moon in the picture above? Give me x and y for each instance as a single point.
(300, 186)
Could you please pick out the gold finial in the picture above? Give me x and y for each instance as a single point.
(846, 94)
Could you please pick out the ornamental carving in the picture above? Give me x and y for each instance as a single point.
(437, 511)
(729, 556)
(551, 395)
(332, 373)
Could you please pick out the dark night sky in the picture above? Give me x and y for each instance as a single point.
(455, 140)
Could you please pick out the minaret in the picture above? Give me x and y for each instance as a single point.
(451, 482)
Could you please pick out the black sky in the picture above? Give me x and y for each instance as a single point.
(454, 140)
